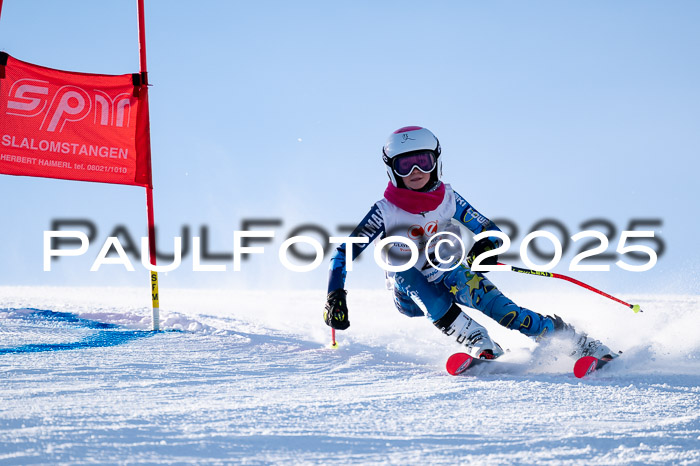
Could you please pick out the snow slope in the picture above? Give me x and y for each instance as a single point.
(246, 377)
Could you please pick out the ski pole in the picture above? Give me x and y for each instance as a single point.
(634, 307)
(334, 344)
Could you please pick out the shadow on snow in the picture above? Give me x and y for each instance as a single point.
(106, 334)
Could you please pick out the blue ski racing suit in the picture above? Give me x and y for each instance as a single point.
(422, 289)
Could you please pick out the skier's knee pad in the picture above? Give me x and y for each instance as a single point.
(469, 288)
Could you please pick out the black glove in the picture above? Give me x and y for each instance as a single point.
(479, 248)
(336, 315)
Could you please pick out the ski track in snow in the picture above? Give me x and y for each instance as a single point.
(246, 377)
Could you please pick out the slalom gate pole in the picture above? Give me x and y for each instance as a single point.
(155, 300)
(634, 307)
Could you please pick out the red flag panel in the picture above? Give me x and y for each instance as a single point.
(73, 126)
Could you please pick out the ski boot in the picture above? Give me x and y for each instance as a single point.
(469, 333)
(583, 345)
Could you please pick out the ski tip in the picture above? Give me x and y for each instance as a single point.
(458, 363)
(585, 366)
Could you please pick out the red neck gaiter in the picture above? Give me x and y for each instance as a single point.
(415, 202)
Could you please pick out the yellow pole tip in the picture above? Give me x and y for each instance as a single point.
(636, 308)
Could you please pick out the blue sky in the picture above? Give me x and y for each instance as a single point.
(573, 111)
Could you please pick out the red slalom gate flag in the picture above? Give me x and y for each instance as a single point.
(73, 126)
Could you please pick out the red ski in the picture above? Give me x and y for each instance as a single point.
(588, 364)
(458, 363)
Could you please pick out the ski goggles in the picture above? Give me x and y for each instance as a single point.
(424, 161)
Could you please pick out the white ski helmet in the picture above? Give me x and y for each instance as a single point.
(411, 140)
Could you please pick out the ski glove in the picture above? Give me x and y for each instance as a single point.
(336, 315)
(479, 248)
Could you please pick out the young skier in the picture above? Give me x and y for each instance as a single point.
(418, 205)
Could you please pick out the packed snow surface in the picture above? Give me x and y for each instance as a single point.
(247, 377)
